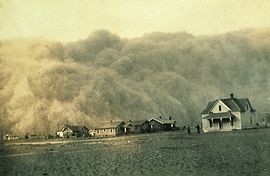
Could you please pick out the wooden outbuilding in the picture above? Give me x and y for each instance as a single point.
(162, 124)
(73, 131)
(112, 128)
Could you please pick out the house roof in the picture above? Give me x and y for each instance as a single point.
(127, 124)
(74, 128)
(219, 115)
(163, 121)
(135, 123)
(209, 107)
(111, 124)
(231, 104)
(138, 122)
(235, 104)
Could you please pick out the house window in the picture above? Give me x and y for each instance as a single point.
(232, 122)
(210, 123)
(247, 107)
(97, 131)
(111, 130)
(250, 120)
(104, 130)
(219, 108)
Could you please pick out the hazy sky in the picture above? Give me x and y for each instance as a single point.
(68, 20)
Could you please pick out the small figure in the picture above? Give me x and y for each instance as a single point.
(198, 129)
(188, 129)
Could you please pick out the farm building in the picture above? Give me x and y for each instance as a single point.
(73, 131)
(137, 126)
(263, 119)
(10, 137)
(228, 114)
(162, 124)
(112, 128)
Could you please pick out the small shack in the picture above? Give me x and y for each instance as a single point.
(111, 128)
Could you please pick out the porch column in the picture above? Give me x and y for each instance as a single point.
(221, 125)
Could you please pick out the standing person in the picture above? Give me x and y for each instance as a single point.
(198, 129)
(188, 129)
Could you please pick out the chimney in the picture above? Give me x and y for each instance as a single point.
(160, 117)
(231, 95)
(170, 118)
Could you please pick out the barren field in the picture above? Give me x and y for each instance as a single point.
(244, 152)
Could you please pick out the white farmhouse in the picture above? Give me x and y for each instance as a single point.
(228, 114)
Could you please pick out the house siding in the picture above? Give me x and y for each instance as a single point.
(248, 119)
(109, 131)
(237, 121)
(155, 126)
(105, 132)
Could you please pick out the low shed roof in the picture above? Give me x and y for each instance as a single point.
(219, 115)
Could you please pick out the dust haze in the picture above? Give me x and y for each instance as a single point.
(45, 83)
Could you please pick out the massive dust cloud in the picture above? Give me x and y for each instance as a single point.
(45, 83)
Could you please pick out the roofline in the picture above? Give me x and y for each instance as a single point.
(110, 127)
(216, 103)
(236, 104)
(160, 121)
(106, 127)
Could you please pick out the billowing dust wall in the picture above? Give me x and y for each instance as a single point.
(45, 83)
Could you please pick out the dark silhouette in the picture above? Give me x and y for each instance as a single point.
(188, 129)
(198, 128)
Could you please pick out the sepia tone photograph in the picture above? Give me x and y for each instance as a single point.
(134, 88)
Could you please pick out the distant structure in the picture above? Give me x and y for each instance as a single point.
(228, 114)
(111, 128)
(162, 124)
(73, 131)
(137, 126)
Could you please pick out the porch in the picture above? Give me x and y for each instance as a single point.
(219, 122)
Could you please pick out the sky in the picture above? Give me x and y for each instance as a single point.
(69, 20)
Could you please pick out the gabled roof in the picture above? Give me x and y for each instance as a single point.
(235, 104)
(231, 104)
(138, 122)
(163, 121)
(135, 123)
(74, 128)
(209, 107)
(127, 124)
(111, 124)
(242, 104)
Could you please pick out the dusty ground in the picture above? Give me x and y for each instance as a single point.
(244, 152)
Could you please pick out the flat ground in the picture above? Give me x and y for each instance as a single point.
(245, 152)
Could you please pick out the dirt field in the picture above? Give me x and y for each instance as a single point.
(244, 152)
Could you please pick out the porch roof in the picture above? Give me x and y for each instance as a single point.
(219, 115)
